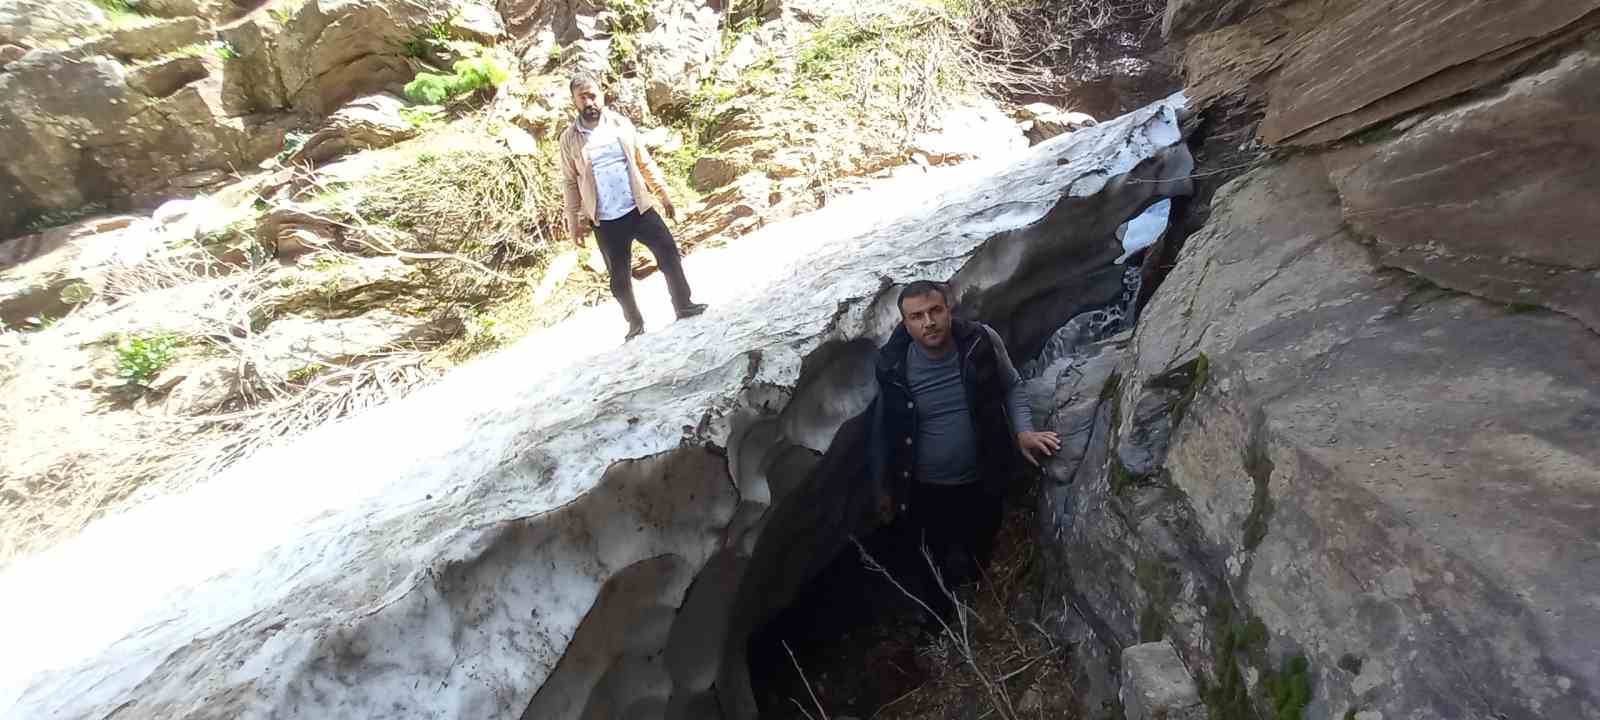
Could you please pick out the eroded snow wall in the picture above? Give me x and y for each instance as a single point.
(597, 542)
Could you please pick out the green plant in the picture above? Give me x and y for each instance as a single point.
(284, 10)
(140, 357)
(292, 142)
(479, 72)
(77, 293)
(419, 118)
(121, 12)
(225, 50)
(418, 47)
(1290, 688)
(430, 89)
(483, 333)
(470, 74)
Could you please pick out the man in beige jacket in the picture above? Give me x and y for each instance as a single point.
(609, 180)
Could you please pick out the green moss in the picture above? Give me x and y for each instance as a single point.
(1258, 465)
(1289, 688)
(1152, 624)
(1235, 640)
(1189, 379)
(1160, 585)
(1239, 642)
(1118, 478)
(57, 218)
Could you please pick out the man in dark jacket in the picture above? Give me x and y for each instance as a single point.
(949, 423)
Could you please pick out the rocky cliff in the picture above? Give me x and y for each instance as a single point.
(1347, 463)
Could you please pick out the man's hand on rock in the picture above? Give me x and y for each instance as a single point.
(1044, 443)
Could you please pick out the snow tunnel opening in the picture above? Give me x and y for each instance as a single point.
(848, 642)
(859, 646)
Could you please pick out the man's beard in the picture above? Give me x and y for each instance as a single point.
(590, 114)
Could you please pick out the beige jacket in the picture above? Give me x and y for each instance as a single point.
(578, 188)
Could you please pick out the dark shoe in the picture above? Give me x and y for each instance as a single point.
(634, 331)
(691, 310)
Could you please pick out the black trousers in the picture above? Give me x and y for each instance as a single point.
(957, 524)
(616, 237)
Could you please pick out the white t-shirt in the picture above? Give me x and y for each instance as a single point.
(614, 196)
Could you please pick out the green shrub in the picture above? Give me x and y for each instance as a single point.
(479, 72)
(470, 74)
(140, 357)
(430, 89)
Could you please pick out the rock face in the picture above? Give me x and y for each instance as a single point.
(38, 21)
(95, 133)
(1438, 50)
(148, 39)
(328, 52)
(1156, 685)
(590, 544)
(1347, 465)
(365, 123)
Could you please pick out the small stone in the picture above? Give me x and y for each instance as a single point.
(711, 172)
(1031, 701)
(479, 23)
(11, 53)
(1155, 684)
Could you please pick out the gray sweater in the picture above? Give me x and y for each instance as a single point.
(947, 443)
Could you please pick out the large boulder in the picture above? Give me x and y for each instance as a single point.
(1440, 50)
(677, 53)
(86, 132)
(1423, 201)
(325, 54)
(365, 123)
(600, 541)
(33, 22)
(213, 10)
(148, 39)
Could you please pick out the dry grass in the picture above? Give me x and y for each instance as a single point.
(63, 472)
(473, 217)
(990, 659)
(910, 60)
(1057, 45)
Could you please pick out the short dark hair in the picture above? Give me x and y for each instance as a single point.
(919, 288)
(583, 77)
